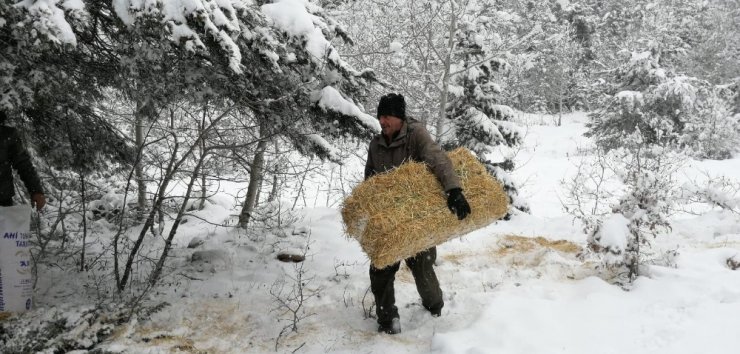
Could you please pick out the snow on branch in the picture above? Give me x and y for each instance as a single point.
(480, 123)
(218, 18)
(47, 17)
(680, 89)
(307, 22)
(329, 99)
(509, 129)
(502, 112)
(611, 237)
(630, 100)
(293, 17)
(456, 90)
(323, 147)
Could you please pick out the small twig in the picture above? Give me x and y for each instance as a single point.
(299, 347)
(189, 276)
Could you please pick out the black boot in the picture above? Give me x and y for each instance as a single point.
(436, 310)
(392, 327)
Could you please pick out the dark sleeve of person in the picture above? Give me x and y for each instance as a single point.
(21, 161)
(369, 167)
(441, 165)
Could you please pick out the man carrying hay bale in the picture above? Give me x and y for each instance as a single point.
(402, 140)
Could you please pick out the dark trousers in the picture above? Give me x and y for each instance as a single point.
(422, 267)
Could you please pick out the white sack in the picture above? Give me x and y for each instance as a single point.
(16, 282)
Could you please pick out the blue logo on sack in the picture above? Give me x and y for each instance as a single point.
(28, 304)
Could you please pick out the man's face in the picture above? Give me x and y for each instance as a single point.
(390, 125)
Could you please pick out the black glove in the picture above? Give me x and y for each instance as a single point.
(458, 204)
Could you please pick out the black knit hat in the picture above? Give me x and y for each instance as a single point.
(392, 104)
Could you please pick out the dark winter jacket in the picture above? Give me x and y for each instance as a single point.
(13, 155)
(412, 142)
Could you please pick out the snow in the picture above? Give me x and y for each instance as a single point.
(73, 5)
(395, 47)
(563, 3)
(500, 297)
(547, 157)
(330, 99)
(592, 316)
(612, 236)
(323, 145)
(184, 31)
(679, 87)
(50, 19)
(613, 232)
(121, 8)
(456, 90)
(497, 40)
(504, 16)
(631, 100)
(175, 14)
(484, 124)
(640, 56)
(292, 16)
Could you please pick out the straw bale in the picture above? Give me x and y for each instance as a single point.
(397, 214)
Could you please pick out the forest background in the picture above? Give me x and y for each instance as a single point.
(137, 112)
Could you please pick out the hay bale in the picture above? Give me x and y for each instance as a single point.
(397, 214)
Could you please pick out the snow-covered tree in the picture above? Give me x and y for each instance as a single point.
(714, 43)
(273, 58)
(551, 77)
(48, 86)
(441, 54)
(623, 198)
(667, 109)
(478, 120)
(409, 56)
(712, 130)
(270, 65)
(648, 172)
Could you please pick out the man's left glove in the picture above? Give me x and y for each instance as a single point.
(457, 203)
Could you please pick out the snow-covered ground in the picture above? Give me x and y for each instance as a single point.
(512, 287)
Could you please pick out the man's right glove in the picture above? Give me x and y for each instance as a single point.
(457, 203)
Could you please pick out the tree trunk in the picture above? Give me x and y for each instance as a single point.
(275, 180)
(204, 187)
(157, 272)
(446, 76)
(274, 191)
(172, 167)
(300, 186)
(84, 220)
(139, 168)
(560, 106)
(255, 180)
(149, 221)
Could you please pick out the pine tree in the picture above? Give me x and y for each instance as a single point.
(157, 54)
(478, 121)
(666, 109)
(49, 85)
(172, 62)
